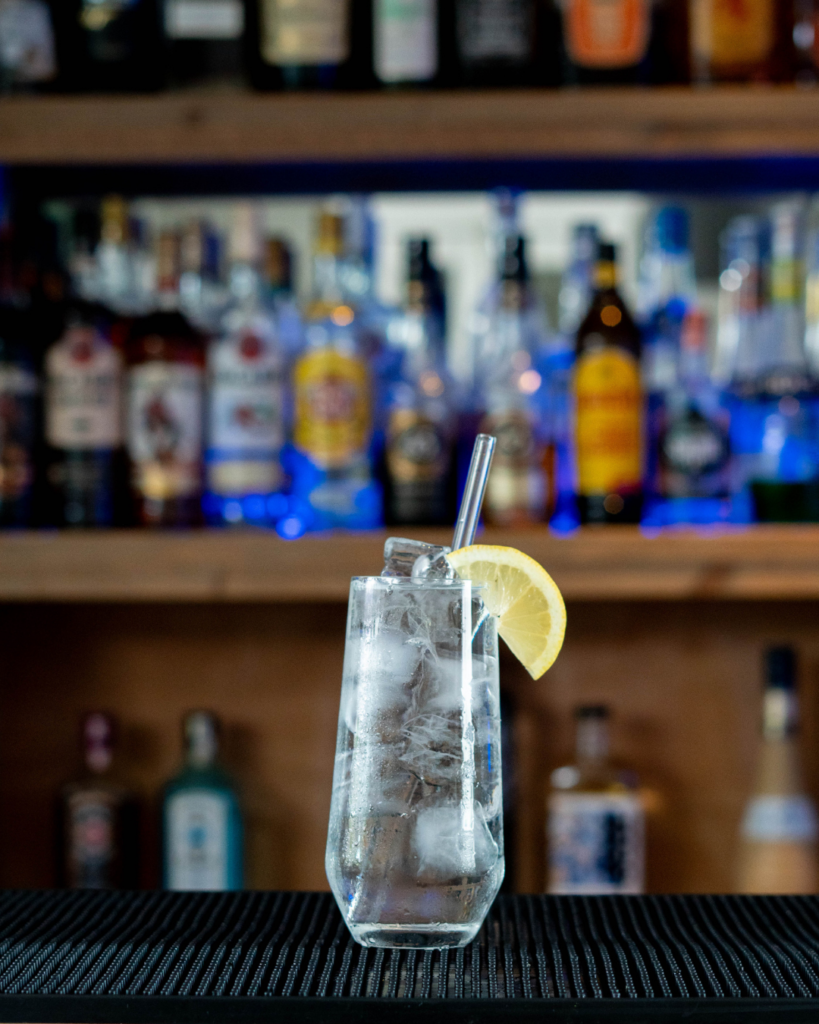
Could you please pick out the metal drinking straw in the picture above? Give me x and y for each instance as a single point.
(470, 509)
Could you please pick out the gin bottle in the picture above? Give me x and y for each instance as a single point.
(201, 818)
(98, 817)
(596, 827)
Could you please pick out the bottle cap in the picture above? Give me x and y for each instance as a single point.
(591, 711)
(606, 252)
(97, 732)
(780, 668)
(671, 226)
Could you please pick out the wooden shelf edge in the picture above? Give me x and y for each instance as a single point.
(234, 127)
(620, 564)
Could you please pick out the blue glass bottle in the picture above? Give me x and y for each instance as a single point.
(202, 842)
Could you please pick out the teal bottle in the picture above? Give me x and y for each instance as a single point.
(201, 818)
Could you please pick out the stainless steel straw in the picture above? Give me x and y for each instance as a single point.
(472, 500)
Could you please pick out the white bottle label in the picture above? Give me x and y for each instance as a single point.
(197, 828)
(27, 40)
(596, 843)
(204, 19)
(310, 32)
(83, 380)
(406, 40)
(780, 819)
(165, 428)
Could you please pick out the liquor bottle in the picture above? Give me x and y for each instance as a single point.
(500, 43)
(83, 422)
(507, 386)
(28, 58)
(605, 42)
(202, 296)
(420, 452)
(608, 399)
(19, 418)
(778, 852)
(278, 295)
(332, 397)
(165, 381)
(596, 827)
(246, 401)
(112, 46)
(734, 42)
(98, 817)
(201, 818)
(577, 282)
(324, 44)
(806, 42)
(204, 40)
(405, 41)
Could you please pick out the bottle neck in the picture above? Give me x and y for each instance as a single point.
(605, 275)
(202, 750)
(780, 714)
(592, 743)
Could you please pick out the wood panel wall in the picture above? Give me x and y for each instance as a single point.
(683, 679)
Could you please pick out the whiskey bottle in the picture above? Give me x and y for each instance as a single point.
(596, 827)
(501, 43)
(98, 817)
(204, 40)
(778, 850)
(608, 397)
(735, 42)
(201, 817)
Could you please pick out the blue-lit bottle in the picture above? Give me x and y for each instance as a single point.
(202, 842)
(246, 419)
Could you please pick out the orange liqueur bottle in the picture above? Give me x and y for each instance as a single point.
(736, 40)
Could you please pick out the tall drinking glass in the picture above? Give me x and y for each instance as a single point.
(415, 846)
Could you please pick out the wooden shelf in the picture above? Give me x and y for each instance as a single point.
(234, 127)
(763, 563)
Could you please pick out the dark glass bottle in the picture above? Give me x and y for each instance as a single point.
(501, 43)
(98, 818)
(324, 44)
(608, 396)
(83, 422)
(19, 417)
(164, 419)
(110, 45)
(204, 40)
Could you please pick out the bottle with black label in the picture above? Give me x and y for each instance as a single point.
(609, 404)
(501, 42)
(204, 40)
(596, 826)
(309, 44)
(420, 454)
(110, 45)
(98, 818)
(201, 818)
(83, 422)
(19, 418)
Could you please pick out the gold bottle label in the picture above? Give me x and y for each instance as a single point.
(332, 419)
(609, 422)
(607, 33)
(726, 33)
(309, 32)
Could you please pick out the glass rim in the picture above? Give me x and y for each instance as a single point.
(419, 583)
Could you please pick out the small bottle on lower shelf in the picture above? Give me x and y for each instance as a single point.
(98, 817)
(202, 822)
(778, 847)
(596, 820)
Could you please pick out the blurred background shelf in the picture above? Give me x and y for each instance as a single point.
(232, 127)
(762, 563)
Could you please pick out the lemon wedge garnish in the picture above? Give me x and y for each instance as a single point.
(523, 596)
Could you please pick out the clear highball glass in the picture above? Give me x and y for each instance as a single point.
(415, 845)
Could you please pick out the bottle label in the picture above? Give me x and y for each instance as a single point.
(517, 484)
(165, 429)
(780, 819)
(204, 19)
(418, 461)
(246, 416)
(197, 828)
(596, 843)
(83, 393)
(494, 30)
(27, 52)
(308, 32)
(91, 840)
(607, 33)
(731, 32)
(332, 420)
(406, 40)
(609, 422)
(18, 390)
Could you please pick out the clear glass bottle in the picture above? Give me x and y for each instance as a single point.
(279, 294)
(421, 405)
(98, 817)
(202, 837)
(246, 426)
(778, 844)
(596, 827)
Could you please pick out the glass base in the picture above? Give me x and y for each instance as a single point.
(414, 936)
